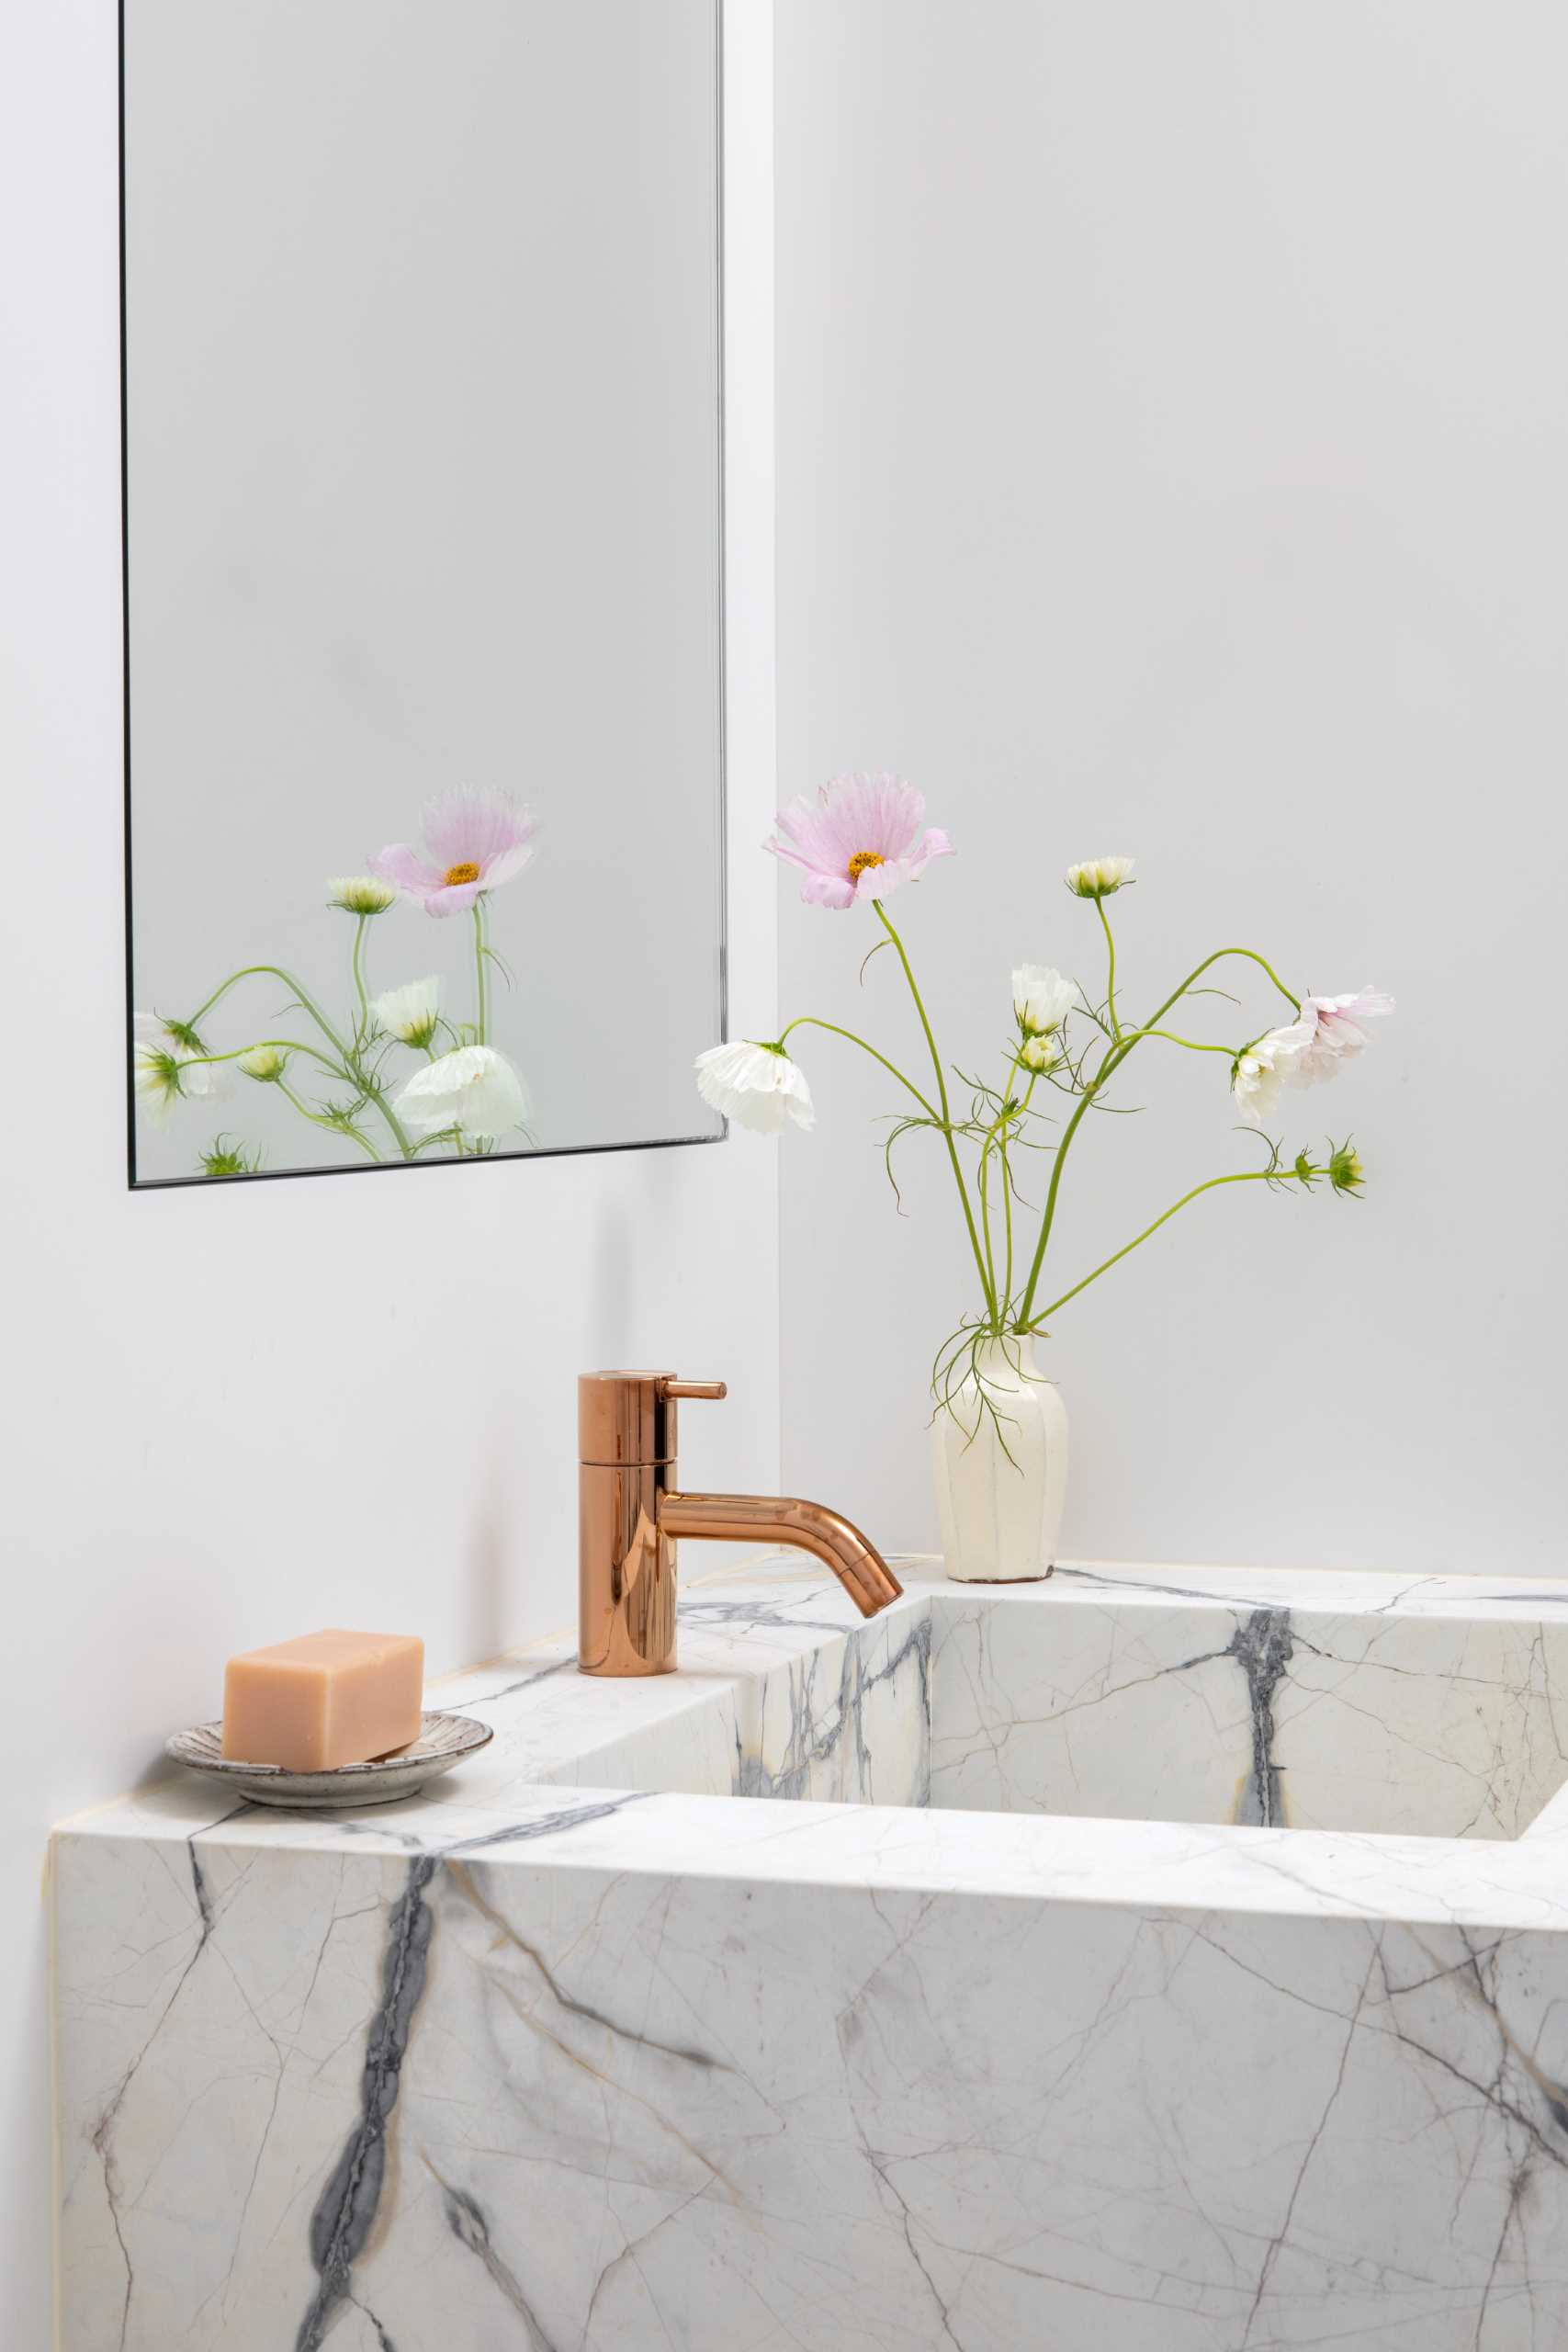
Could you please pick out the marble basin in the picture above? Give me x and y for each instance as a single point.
(1171, 1961)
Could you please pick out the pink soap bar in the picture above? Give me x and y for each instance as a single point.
(327, 1699)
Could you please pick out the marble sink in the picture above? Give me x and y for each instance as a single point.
(1150, 1961)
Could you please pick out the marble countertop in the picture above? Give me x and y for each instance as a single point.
(555, 1778)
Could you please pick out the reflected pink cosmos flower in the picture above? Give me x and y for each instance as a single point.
(859, 839)
(472, 842)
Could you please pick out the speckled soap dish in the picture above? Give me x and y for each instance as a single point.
(443, 1740)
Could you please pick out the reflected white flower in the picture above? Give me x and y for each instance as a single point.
(1042, 1000)
(168, 1069)
(410, 1013)
(1099, 876)
(474, 1090)
(758, 1086)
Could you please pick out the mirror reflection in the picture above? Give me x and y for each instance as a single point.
(423, 626)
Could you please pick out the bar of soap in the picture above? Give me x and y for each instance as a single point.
(324, 1700)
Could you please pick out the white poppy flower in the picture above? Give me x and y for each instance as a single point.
(474, 1090)
(759, 1086)
(410, 1013)
(1099, 876)
(1042, 999)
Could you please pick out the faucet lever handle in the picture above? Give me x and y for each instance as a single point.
(712, 1391)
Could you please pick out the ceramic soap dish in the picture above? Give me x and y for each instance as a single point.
(443, 1740)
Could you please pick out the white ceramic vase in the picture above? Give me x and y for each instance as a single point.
(1000, 1450)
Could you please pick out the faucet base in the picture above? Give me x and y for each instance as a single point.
(625, 1571)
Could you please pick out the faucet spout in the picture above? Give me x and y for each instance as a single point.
(631, 1513)
(782, 1519)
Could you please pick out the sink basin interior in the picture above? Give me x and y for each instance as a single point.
(1091, 1697)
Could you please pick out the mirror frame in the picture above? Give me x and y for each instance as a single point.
(721, 684)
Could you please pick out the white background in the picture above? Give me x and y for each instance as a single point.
(231, 1413)
(1173, 462)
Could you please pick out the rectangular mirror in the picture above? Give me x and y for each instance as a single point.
(423, 634)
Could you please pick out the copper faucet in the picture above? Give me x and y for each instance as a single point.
(630, 1512)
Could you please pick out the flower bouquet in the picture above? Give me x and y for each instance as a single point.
(999, 1427)
(348, 1075)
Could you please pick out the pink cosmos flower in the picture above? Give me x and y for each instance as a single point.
(859, 839)
(472, 842)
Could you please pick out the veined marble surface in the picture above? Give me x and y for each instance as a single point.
(598, 2046)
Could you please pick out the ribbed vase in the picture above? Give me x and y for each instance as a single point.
(999, 1450)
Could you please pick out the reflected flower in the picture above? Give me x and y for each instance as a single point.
(756, 1085)
(475, 1090)
(859, 839)
(410, 1014)
(167, 1066)
(473, 841)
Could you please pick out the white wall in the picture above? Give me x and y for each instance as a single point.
(1173, 462)
(227, 1414)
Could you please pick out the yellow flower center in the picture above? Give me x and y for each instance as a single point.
(466, 872)
(863, 860)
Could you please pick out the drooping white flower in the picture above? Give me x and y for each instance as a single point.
(1042, 999)
(410, 1013)
(759, 1086)
(1261, 1075)
(362, 894)
(1327, 1033)
(1097, 877)
(1334, 1031)
(474, 1090)
(168, 1068)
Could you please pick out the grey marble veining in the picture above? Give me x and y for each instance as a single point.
(953, 2047)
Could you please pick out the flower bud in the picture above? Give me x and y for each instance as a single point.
(267, 1064)
(1345, 1171)
(362, 894)
(1039, 1055)
(1098, 878)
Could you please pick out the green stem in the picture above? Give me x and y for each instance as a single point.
(481, 951)
(276, 971)
(1193, 1044)
(946, 1114)
(1252, 956)
(357, 966)
(809, 1021)
(1111, 982)
(1245, 1176)
(1115, 1055)
(317, 1120)
(349, 1058)
(280, 1044)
